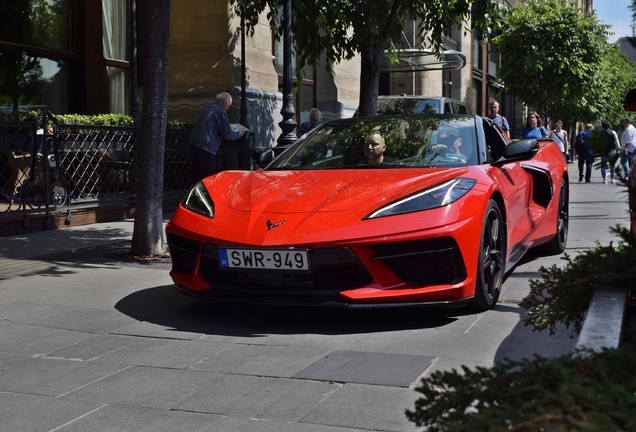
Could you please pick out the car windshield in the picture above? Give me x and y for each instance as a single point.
(408, 106)
(385, 142)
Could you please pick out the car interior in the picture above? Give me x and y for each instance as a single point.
(496, 141)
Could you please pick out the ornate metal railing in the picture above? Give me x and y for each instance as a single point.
(66, 167)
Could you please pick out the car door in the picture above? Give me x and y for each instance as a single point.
(515, 184)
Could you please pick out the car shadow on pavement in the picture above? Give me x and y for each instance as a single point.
(524, 342)
(237, 319)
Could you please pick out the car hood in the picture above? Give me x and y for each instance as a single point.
(291, 192)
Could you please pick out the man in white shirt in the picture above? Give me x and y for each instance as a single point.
(628, 144)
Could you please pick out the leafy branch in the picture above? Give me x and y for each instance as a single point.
(564, 294)
(596, 392)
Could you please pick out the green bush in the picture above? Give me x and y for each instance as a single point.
(591, 392)
(19, 116)
(180, 124)
(95, 120)
(86, 120)
(564, 294)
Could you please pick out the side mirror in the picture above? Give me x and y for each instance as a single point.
(263, 156)
(519, 150)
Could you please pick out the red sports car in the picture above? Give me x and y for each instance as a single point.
(375, 211)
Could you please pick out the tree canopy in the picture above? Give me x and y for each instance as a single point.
(329, 31)
(555, 57)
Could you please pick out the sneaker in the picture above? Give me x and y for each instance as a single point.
(613, 181)
(580, 178)
(604, 181)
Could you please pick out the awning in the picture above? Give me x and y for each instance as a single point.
(630, 101)
(417, 60)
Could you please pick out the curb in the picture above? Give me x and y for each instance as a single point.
(603, 324)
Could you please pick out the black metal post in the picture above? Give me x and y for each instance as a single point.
(243, 80)
(288, 124)
(134, 64)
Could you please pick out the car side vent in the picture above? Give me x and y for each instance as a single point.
(541, 185)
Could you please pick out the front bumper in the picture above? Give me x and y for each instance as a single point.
(418, 272)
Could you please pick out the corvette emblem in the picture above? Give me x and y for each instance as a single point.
(271, 225)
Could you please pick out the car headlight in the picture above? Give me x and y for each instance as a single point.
(430, 198)
(198, 200)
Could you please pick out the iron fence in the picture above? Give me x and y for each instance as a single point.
(47, 167)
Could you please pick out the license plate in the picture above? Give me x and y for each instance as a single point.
(264, 259)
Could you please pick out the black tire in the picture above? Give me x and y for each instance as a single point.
(492, 258)
(557, 244)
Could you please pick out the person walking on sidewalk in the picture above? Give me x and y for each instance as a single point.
(209, 130)
(628, 144)
(559, 136)
(612, 147)
(585, 153)
(498, 118)
(533, 127)
(315, 116)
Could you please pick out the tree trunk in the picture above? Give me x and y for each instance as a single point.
(148, 237)
(370, 77)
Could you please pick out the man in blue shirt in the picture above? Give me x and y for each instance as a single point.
(585, 152)
(209, 130)
(497, 118)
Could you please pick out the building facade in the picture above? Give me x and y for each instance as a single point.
(72, 56)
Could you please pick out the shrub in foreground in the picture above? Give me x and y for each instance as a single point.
(564, 293)
(584, 392)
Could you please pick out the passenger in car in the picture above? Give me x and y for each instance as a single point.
(449, 145)
(453, 142)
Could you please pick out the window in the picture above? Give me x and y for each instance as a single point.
(116, 24)
(447, 83)
(305, 100)
(459, 108)
(477, 96)
(34, 55)
(43, 24)
(493, 60)
(477, 52)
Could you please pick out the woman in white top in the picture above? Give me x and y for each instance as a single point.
(559, 136)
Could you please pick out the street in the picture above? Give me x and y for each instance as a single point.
(91, 342)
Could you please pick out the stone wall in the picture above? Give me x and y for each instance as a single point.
(205, 59)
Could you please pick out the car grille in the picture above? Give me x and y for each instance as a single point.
(424, 262)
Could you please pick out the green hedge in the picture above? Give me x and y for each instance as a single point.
(95, 120)
(19, 116)
(593, 392)
(86, 120)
